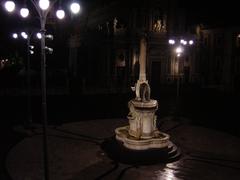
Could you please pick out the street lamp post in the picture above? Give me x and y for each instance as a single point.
(29, 106)
(29, 82)
(43, 7)
(178, 45)
(178, 52)
(29, 51)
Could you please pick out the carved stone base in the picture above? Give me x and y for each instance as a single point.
(142, 118)
(160, 140)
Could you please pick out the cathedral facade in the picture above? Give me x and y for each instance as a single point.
(104, 51)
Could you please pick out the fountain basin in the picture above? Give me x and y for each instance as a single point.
(159, 140)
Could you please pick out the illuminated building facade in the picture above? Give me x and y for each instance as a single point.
(104, 51)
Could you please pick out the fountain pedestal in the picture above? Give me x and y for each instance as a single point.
(141, 142)
(142, 133)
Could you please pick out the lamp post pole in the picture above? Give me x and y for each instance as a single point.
(42, 18)
(44, 98)
(43, 7)
(178, 85)
(178, 78)
(27, 37)
(177, 54)
(29, 101)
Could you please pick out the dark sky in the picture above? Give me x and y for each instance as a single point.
(221, 12)
(217, 13)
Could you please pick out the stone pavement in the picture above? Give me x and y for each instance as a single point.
(75, 153)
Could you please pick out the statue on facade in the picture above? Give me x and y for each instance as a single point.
(107, 27)
(99, 27)
(164, 26)
(115, 21)
(157, 26)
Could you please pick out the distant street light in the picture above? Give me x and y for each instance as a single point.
(190, 42)
(39, 35)
(171, 41)
(179, 49)
(15, 35)
(24, 12)
(24, 35)
(75, 8)
(50, 50)
(29, 51)
(49, 36)
(43, 7)
(60, 14)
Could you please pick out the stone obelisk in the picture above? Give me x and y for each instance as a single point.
(142, 59)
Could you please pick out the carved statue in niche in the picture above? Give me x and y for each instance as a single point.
(164, 23)
(99, 27)
(107, 27)
(157, 26)
(115, 21)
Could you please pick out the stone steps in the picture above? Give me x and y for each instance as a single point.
(116, 151)
(174, 152)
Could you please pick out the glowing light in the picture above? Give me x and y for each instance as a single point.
(190, 42)
(60, 14)
(50, 50)
(49, 36)
(44, 4)
(24, 12)
(171, 41)
(9, 6)
(24, 35)
(39, 35)
(182, 41)
(31, 47)
(75, 8)
(179, 50)
(15, 35)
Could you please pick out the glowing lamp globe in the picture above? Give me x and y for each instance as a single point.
(9, 6)
(24, 12)
(44, 4)
(75, 8)
(60, 14)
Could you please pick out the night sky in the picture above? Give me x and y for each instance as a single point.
(217, 13)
